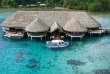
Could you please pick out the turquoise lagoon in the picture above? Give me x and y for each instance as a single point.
(91, 55)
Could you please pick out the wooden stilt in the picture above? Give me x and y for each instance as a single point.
(80, 38)
(28, 36)
(71, 38)
(59, 33)
(41, 38)
(31, 38)
(90, 34)
(45, 36)
(100, 34)
(109, 31)
(104, 33)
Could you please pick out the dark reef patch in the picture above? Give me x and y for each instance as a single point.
(43, 67)
(47, 67)
(54, 59)
(37, 61)
(38, 67)
(19, 57)
(23, 44)
(40, 57)
(19, 54)
(28, 53)
(32, 60)
(31, 65)
(48, 62)
(101, 71)
(56, 56)
(53, 65)
(90, 59)
(75, 62)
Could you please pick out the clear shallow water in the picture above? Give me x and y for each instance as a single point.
(81, 57)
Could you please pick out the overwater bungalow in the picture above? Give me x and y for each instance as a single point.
(39, 23)
(74, 29)
(37, 28)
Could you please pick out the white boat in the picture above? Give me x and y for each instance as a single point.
(56, 44)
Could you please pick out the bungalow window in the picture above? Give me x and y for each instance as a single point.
(62, 42)
(54, 44)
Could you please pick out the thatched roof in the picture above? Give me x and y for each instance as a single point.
(23, 18)
(37, 26)
(20, 19)
(55, 26)
(74, 26)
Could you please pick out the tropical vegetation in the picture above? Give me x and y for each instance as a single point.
(94, 5)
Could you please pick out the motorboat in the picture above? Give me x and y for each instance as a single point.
(56, 44)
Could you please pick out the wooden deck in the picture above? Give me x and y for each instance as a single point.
(75, 35)
(14, 35)
(106, 29)
(36, 35)
(96, 32)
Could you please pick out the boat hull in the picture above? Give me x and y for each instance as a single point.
(56, 46)
(59, 46)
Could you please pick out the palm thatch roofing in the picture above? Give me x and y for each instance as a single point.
(74, 26)
(55, 26)
(21, 19)
(37, 26)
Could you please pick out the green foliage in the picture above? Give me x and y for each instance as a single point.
(14, 5)
(36, 5)
(108, 5)
(48, 5)
(93, 5)
(99, 6)
(42, 6)
(9, 3)
(82, 6)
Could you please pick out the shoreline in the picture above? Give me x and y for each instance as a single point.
(50, 9)
(45, 8)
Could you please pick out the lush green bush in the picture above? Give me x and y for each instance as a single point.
(94, 6)
(59, 5)
(48, 5)
(108, 5)
(36, 5)
(14, 5)
(42, 6)
(82, 6)
(99, 6)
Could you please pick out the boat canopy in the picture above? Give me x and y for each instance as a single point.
(57, 41)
